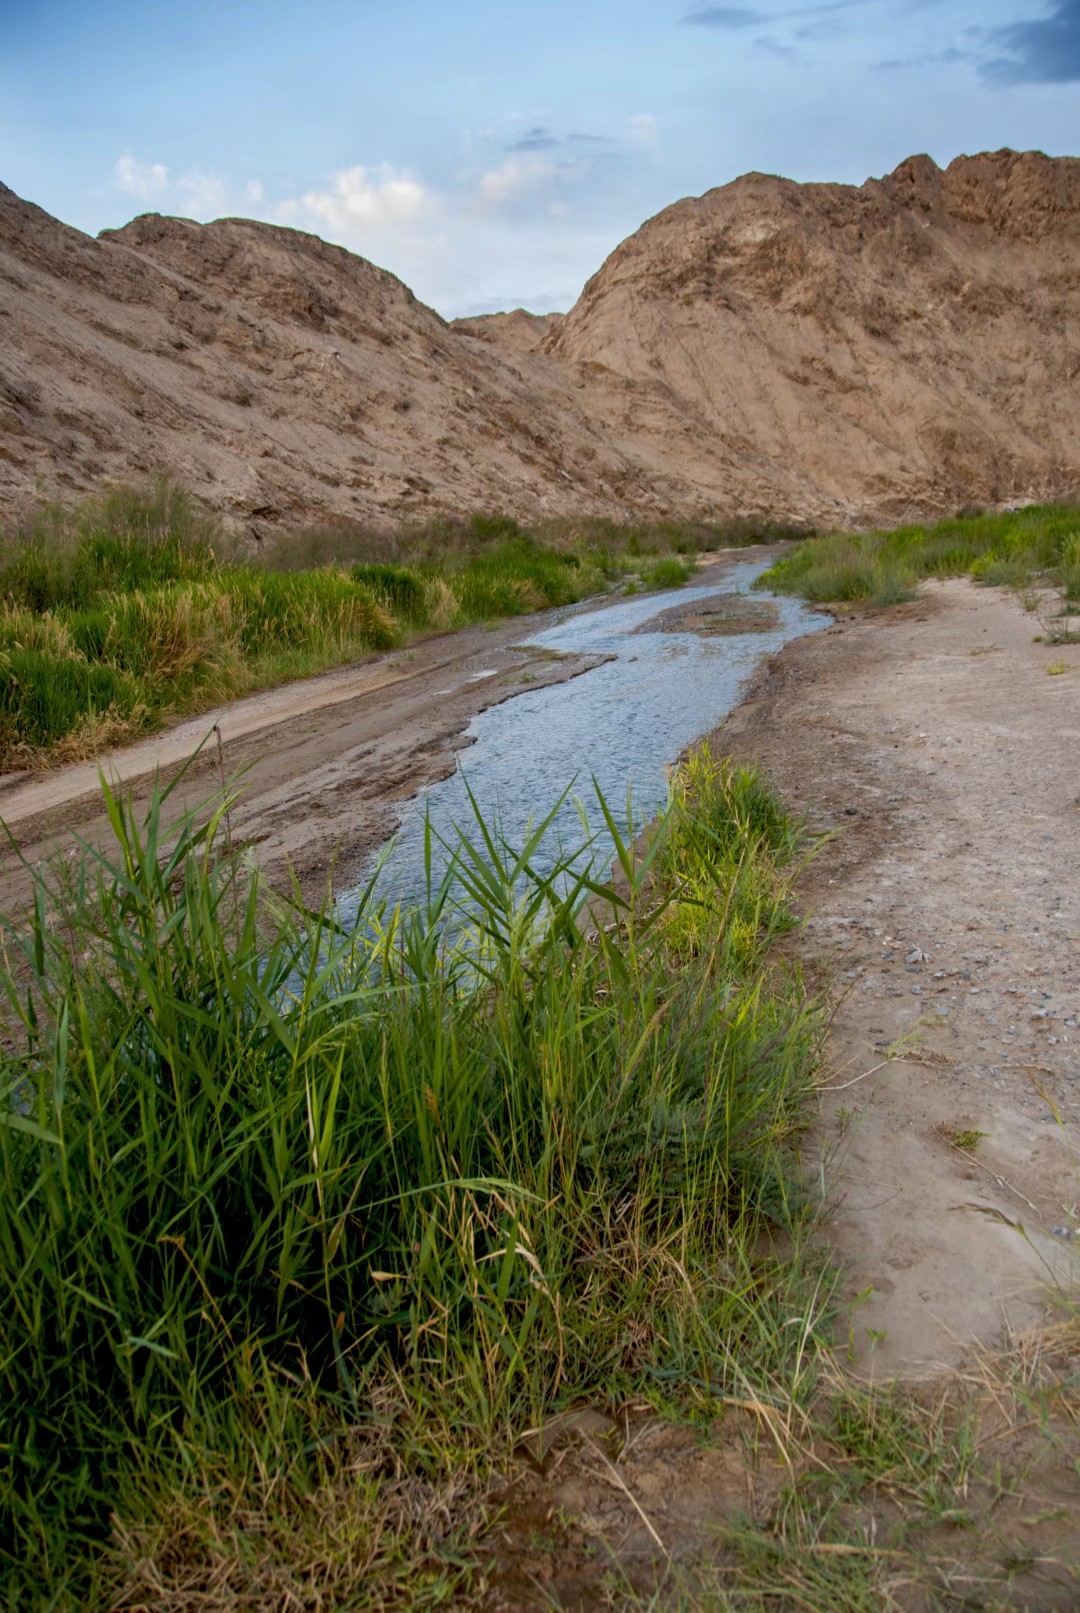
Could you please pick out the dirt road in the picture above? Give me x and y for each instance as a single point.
(933, 741)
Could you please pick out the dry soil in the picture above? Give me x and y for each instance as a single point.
(936, 746)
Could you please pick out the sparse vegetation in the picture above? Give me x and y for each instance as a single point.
(280, 1203)
(965, 1138)
(129, 610)
(1017, 548)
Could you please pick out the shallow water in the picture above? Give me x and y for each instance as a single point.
(623, 723)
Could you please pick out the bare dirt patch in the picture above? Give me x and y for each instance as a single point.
(723, 616)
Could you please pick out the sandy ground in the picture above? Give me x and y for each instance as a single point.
(946, 913)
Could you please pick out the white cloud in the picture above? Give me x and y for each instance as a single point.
(254, 192)
(361, 201)
(514, 176)
(204, 195)
(142, 179)
(199, 194)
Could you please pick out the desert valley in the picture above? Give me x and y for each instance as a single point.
(540, 983)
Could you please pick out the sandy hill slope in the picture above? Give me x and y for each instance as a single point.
(821, 352)
(912, 342)
(282, 379)
(517, 331)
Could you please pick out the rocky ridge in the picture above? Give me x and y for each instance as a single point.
(819, 352)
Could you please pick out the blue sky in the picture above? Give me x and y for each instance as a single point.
(492, 154)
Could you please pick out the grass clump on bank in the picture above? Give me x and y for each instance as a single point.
(305, 1226)
(1015, 547)
(132, 609)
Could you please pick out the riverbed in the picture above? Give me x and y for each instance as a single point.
(654, 687)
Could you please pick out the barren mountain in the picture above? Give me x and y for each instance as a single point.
(517, 331)
(282, 379)
(913, 342)
(821, 352)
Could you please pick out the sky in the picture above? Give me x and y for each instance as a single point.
(490, 153)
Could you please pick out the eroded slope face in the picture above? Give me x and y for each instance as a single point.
(518, 331)
(913, 343)
(815, 352)
(282, 379)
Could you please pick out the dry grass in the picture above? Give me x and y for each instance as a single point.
(956, 1495)
(362, 1531)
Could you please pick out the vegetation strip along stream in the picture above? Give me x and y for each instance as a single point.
(133, 609)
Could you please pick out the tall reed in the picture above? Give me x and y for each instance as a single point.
(133, 609)
(508, 1147)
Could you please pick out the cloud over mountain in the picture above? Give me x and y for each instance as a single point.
(1044, 50)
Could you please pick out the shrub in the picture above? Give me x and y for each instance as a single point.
(494, 528)
(402, 589)
(667, 573)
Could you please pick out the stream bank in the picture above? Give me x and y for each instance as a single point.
(944, 916)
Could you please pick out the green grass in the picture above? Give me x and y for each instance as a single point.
(1015, 548)
(127, 611)
(268, 1187)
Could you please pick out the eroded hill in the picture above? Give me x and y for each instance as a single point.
(818, 352)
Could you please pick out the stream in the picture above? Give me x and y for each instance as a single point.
(623, 723)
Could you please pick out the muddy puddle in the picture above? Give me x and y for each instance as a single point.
(673, 666)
